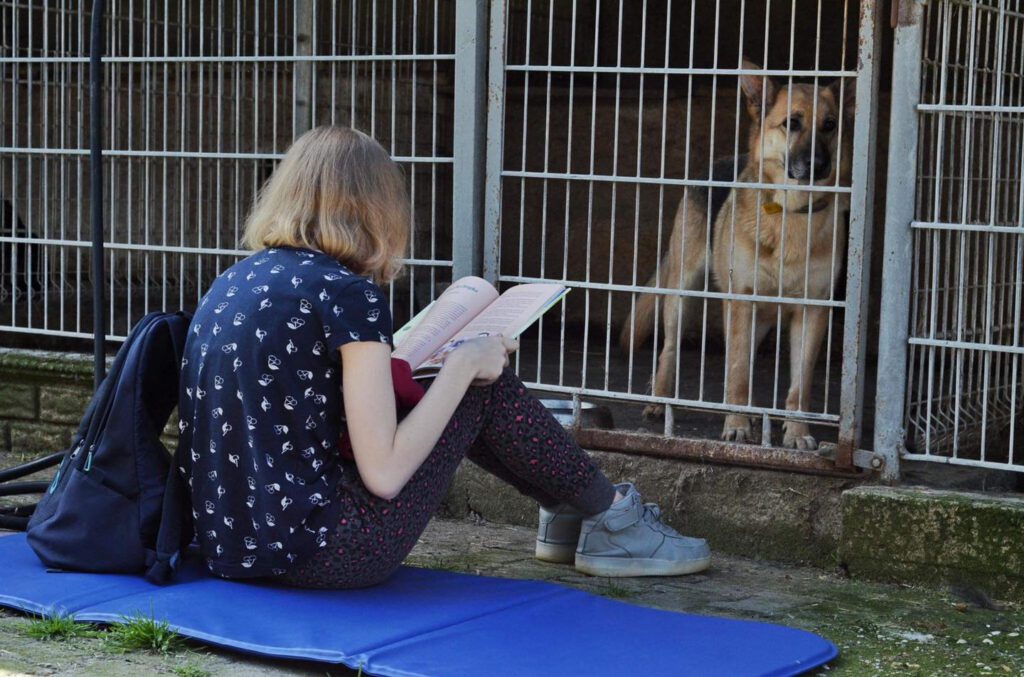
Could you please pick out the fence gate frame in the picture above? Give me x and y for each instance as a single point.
(894, 329)
(911, 103)
(848, 453)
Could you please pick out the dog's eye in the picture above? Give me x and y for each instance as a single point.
(795, 125)
(829, 125)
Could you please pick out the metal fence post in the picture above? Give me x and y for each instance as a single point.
(302, 94)
(861, 222)
(469, 139)
(495, 145)
(898, 245)
(96, 184)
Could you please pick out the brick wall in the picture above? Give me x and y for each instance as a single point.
(42, 399)
(43, 396)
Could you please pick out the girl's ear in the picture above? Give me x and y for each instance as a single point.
(759, 90)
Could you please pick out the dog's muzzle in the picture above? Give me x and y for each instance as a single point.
(800, 167)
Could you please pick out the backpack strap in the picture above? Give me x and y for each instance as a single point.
(102, 403)
(162, 563)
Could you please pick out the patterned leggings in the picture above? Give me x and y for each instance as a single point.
(503, 429)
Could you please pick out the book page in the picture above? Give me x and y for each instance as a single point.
(459, 304)
(509, 315)
(513, 312)
(403, 333)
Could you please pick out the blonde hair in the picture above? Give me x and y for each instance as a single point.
(338, 191)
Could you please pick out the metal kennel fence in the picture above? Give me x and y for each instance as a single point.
(601, 114)
(200, 100)
(951, 341)
(552, 140)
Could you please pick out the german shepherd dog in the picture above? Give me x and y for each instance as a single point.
(767, 242)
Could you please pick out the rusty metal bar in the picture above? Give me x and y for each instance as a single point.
(711, 451)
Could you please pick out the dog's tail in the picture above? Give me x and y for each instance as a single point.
(639, 327)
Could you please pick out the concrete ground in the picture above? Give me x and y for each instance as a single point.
(880, 629)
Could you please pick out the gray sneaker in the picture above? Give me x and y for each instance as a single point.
(558, 533)
(629, 539)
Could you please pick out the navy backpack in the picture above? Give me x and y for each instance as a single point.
(115, 504)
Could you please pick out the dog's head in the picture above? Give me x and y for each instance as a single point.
(795, 133)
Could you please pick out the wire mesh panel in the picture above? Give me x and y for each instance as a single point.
(685, 168)
(965, 397)
(201, 99)
(44, 104)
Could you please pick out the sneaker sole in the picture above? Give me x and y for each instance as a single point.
(627, 566)
(558, 553)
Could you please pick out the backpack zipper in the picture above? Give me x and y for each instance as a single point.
(60, 468)
(56, 477)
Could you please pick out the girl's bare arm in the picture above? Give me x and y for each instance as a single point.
(387, 453)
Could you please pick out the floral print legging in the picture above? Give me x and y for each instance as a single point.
(503, 429)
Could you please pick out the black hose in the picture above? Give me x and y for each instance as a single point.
(18, 510)
(96, 183)
(22, 488)
(13, 523)
(31, 467)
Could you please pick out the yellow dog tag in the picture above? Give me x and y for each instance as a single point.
(772, 208)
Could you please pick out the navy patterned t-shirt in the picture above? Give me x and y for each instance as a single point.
(261, 405)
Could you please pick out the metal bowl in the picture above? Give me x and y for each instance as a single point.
(591, 415)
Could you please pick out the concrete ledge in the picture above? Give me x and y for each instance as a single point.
(767, 514)
(933, 537)
(16, 364)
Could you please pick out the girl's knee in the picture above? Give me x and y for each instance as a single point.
(509, 380)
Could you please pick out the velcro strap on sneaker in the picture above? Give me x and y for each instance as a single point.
(626, 518)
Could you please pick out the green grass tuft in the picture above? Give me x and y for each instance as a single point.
(190, 669)
(142, 633)
(616, 591)
(59, 627)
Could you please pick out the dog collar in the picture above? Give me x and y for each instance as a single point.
(772, 207)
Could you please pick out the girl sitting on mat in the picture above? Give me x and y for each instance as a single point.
(299, 463)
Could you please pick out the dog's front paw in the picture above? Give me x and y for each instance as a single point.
(798, 436)
(653, 412)
(737, 429)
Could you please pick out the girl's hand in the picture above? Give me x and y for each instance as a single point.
(484, 358)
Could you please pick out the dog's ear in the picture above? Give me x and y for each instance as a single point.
(845, 92)
(758, 89)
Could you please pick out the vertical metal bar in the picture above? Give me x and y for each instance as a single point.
(851, 398)
(898, 245)
(81, 76)
(111, 272)
(96, 186)
(413, 170)
(468, 146)
(434, 77)
(302, 115)
(546, 183)
(495, 148)
(46, 180)
(568, 191)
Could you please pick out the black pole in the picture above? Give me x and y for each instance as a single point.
(96, 180)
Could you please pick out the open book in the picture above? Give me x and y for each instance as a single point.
(469, 308)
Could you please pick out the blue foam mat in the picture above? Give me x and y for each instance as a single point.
(423, 622)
